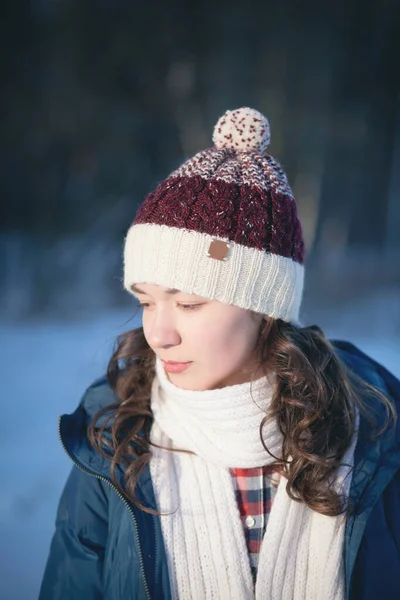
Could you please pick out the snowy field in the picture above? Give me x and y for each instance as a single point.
(46, 367)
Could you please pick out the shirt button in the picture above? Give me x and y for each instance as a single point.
(250, 522)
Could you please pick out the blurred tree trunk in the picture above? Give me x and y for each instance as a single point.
(393, 207)
(368, 224)
(354, 191)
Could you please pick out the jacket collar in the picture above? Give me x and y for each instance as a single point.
(73, 435)
(376, 460)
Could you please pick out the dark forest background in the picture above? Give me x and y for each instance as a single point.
(101, 99)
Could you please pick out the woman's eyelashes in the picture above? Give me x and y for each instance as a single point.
(185, 307)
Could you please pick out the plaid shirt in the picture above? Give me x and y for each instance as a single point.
(255, 491)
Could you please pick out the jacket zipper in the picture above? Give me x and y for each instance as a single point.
(116, 490)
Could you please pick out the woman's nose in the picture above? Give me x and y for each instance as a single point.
(161, 332)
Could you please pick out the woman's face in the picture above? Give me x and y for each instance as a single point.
(213, 343)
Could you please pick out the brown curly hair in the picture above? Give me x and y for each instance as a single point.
(312, 403)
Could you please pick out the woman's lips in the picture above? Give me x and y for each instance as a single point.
(175, 367)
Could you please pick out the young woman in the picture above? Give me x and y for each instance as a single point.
(230, 453)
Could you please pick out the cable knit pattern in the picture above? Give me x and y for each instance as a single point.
(242, 215)
(301, 554)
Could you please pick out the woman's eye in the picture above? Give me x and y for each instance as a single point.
(190, 306)
(186, 307)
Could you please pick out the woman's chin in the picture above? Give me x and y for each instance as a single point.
(184, 382)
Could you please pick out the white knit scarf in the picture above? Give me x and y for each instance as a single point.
(301, 553)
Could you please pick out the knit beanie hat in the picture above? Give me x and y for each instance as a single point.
(224, 225)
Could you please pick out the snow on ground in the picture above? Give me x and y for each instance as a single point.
(46, 367)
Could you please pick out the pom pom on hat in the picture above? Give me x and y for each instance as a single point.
(243, 130)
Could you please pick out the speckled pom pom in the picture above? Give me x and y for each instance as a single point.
(243, 130)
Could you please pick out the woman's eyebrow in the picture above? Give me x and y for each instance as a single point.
(136, 289)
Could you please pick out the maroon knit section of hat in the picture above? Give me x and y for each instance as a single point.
(244, 214)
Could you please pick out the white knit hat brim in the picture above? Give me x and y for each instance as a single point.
(250, 278)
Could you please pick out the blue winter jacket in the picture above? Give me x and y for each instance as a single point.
(104, 548)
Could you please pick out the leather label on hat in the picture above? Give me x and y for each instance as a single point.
(218, 250)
